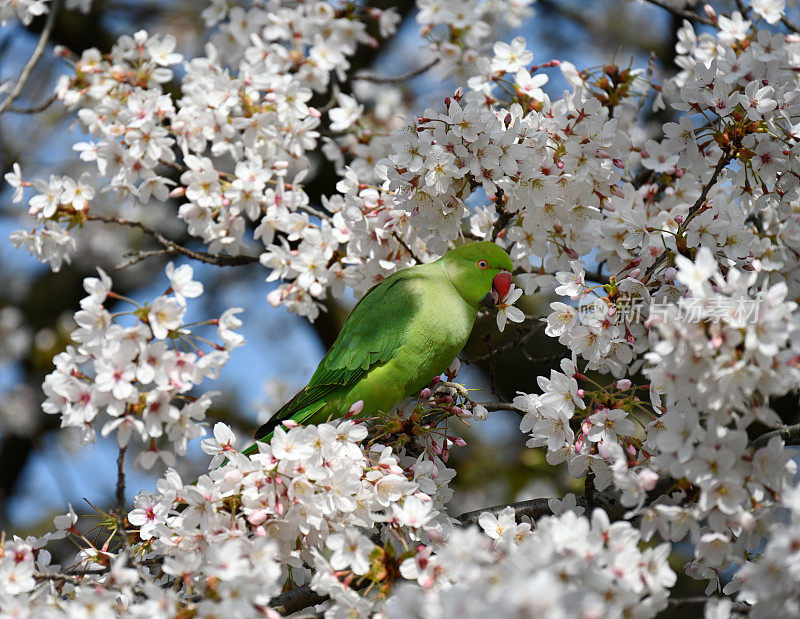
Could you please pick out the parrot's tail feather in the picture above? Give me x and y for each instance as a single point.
(253, 449)
(267, 428)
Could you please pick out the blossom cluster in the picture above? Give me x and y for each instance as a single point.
(136, 379)
(315, 498)
(567, 566)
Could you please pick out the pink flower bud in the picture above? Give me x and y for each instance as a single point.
(635, 273)
(314, 112)
(356, 408)
(463, 414)
(560, 164)
(679, 219)
(579, 444)
(624, 384)
(459, 442)
(257, 517)
(61, 51)
(260, 532)
(604, 451)
(631, 450)
(178, 192)
(425, 393)
(581, 393)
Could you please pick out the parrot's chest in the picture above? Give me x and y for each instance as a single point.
(438, 336)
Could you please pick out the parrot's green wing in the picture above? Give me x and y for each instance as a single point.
(370, 336)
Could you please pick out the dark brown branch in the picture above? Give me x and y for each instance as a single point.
(377, 79)
(121, 518)
(296, 599)
(701, 599)
(789, 434)
(536, 508)
(172, 247)
(685, 14)
(793, 27)
(693, 211)
(34, 59)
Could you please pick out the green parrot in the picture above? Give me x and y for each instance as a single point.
(405, 330)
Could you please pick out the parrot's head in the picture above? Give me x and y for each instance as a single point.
(481, 272)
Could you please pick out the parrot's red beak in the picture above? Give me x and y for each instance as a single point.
(501, 284)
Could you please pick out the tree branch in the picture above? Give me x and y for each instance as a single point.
(296, 599)
(121, 518)
(501, 406)
(536, 508)
(690, 15)
(377, 79)
(33, 110)
(701, 599)
(37, 54)
(789, 434)
(172, 247)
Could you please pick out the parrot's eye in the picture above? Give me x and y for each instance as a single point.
(483, 264)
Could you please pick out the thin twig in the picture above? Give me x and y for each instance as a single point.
(32, 110)
(71, 579)
(693, 211)
(172, 247)
(135, 257)
(501, 406)
(377, 79)
(37, 53)
(406, 247)
(690, 15)
(519, 341)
